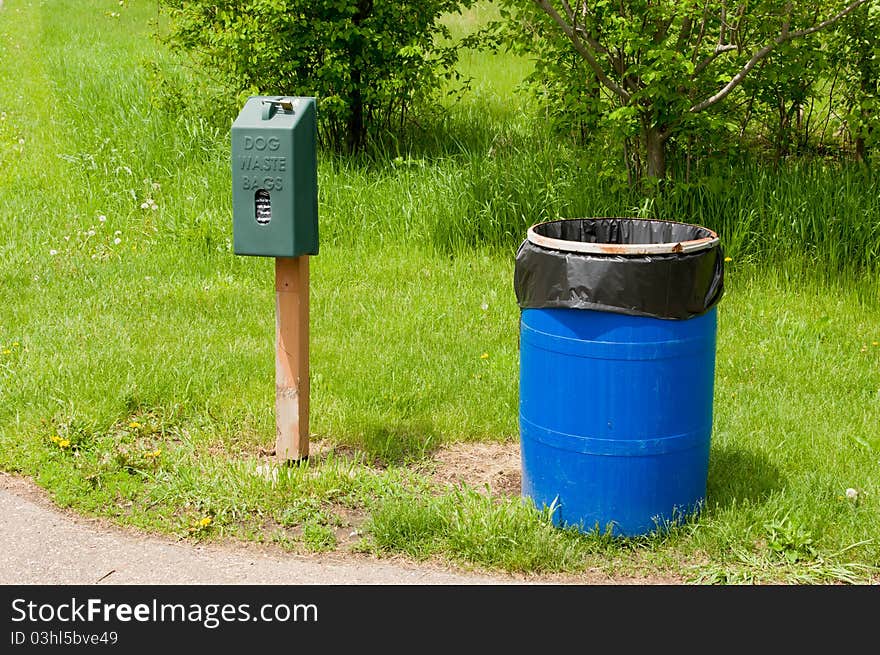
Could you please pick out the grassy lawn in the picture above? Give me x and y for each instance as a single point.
(136, 351)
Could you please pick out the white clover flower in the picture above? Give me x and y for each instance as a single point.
(117, 233)
(102, 218)
(117, 241)
(852, 494)
(53, 252)
(90, 233)
(145, 205)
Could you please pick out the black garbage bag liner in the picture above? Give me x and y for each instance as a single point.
(634, 266)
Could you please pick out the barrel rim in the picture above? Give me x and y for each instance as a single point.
(694, 245)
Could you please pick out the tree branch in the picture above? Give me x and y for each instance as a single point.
(720, 49)
(570, 13)
(684, 35)
(702, 32)
(736, 32)
(662, 29)
(617, 63)
(784, 36)
(583, 50)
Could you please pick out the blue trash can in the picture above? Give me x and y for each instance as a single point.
(617, 363)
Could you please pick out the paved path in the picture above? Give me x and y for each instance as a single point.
(42, 545)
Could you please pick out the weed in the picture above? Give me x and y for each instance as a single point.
(318, 538)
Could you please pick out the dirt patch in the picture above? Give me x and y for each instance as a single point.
(345, 523)
(320, 450)
(492, 467)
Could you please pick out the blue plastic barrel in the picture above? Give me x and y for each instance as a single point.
(615, 395)
(615, 416)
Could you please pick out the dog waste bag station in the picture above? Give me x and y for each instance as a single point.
(275, 214)
(617, 364)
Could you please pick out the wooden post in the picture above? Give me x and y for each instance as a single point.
(291, 358)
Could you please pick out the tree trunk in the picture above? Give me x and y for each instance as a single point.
(861, 152)
(356, 127)
(655, 149)
(356, 115)
(865, 84)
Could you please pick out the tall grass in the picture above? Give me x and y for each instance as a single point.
(476, 182)
(827, 215)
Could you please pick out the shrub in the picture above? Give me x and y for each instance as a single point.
(369, 63)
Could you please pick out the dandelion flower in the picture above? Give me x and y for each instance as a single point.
(728, 259)
(134, 424)
(484, 356)
(53, 252)
(15, 344)
(6, 351)
(205, 522)
(64, 443)
(54, 438)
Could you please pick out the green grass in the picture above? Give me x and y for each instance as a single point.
(150, 361)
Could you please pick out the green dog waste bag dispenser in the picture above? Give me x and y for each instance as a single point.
(274, 179)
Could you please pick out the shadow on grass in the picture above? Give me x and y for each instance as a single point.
(389, 443)
(738, 474)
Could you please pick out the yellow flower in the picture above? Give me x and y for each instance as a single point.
(154, 453)
(6, 351)
(205, 522)
(484, 356)
(54, 438)
(15, 344)
(64, 443)
(875, 343)
(728, 259)
(134, 424)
